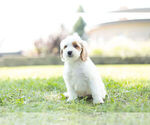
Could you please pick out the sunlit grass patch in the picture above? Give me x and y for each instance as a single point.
(44, 93)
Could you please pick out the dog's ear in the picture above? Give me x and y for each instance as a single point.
(61, 55)
(84, 53)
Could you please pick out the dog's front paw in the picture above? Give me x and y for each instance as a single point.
(66, 94)
(98, 101)
(71, 99)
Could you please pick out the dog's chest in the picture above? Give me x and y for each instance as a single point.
(78, 79)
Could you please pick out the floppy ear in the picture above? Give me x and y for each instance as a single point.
(61, 55)
(84, 53)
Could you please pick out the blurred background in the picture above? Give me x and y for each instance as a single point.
(117, 31)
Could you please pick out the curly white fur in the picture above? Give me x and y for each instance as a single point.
(80, 74)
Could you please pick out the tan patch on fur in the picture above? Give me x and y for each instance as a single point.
(83, 54)
(76, 45)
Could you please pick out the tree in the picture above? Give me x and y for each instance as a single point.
(39, 46)
(80, 9)
(79, 26)
(51, 45)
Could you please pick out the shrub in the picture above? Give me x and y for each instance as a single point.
(122, 49)
(98, 52)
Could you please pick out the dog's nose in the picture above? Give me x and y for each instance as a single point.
(69, 53)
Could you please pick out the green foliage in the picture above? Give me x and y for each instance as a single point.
(79, 26)
(22, 61)
(97, 52)
(80, 9)
(98, 58)
(122, 49)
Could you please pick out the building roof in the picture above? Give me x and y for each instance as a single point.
(136, 10)
(126, 21)
(119, 22)
(10, 53)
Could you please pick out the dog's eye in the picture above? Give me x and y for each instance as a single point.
(75, 46)
(65, 46)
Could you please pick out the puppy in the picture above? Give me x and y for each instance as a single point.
(80, 74)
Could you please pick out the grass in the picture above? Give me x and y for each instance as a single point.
(37, 90)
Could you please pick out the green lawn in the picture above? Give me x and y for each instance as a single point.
(36, 91)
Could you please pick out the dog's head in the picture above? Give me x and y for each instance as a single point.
(73, 48)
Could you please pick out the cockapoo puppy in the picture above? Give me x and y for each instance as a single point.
(80, 74)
